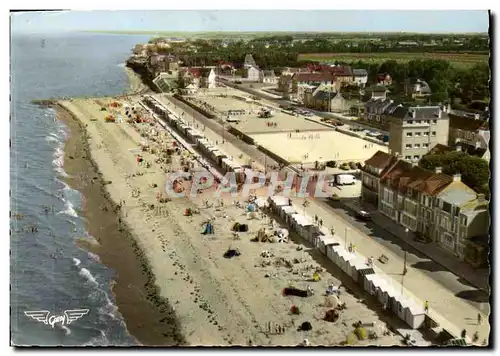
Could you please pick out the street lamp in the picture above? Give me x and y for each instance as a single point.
(345, 237)
(405, 270)
(305, 204)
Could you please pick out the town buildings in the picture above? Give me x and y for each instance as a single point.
(414, 131)
(268, 77)
(360, 77)
(252, 74)
(324, 98)
(200, 77)
(434, 206)
(304, 81)
(417, 88)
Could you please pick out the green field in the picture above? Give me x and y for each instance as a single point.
(457, 59)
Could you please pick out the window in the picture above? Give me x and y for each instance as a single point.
(427, 121)
(409, 134)
(417, 134)
(463, 220)
(426, 133)
(434, 121)
(407, 157)
(433, 133)
(417, 121)
(416, 157)
(426, 145)
(416, 145)
(408, 146)
(410, 122)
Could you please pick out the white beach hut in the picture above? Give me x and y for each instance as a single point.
(370, 283)
(285, 211)
(414, 314)
(324, 242)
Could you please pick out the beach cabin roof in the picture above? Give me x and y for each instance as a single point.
(328, 240)
(279, 200)
(288, 209)
(301, 220)
(218, 153)
(261, 202)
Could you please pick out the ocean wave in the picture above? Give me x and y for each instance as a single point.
(69, 209)
(88, 276)
(76, 261)
(67, 330)
(100, 340)
(51, 138)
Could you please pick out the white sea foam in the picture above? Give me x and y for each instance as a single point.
(76, 261)
(65, 328)
(51, 138)
(88, 276)
(69, 209)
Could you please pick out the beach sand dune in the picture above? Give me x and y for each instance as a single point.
(218, 301)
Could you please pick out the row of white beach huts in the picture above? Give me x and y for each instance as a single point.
(352, 264)
(203, 145)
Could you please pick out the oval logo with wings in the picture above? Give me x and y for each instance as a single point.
(69, 316)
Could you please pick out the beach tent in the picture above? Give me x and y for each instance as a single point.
(207, 229)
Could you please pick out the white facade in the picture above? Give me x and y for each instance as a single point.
(253, 74)
(361, 80)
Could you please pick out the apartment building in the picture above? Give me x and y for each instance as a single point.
(414, 131)
(437, 207)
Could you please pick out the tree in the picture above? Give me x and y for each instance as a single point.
(474, 170)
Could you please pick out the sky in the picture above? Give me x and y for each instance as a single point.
(424, 21)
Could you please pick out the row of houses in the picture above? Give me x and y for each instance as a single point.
(437, 207)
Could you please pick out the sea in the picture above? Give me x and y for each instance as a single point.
(48, 271)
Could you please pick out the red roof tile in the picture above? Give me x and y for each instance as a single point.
(313, 77)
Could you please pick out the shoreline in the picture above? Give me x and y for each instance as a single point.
(215, 298)
(144, 310)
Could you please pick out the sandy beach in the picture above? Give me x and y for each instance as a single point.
(212, 300)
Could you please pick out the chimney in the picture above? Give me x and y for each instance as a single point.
(480, 198)
(478, 144)
(457, 177)
(438, 170)
(459, 148)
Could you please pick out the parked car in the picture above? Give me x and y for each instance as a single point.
(331, 164)
(344, 167)
(363, 215)
(238, 82)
